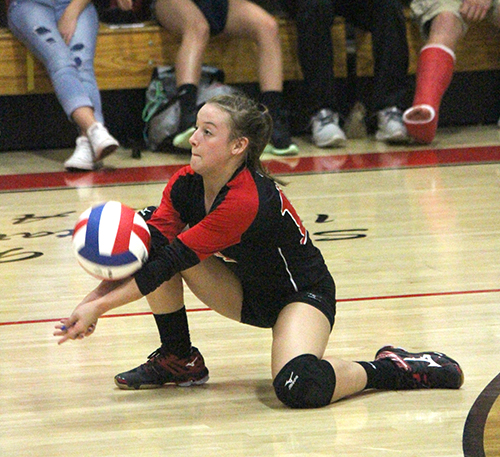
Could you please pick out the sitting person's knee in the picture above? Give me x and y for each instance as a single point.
(197, 31)
(270, 27)
(305, 382)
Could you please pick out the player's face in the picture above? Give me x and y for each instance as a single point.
(211, 148)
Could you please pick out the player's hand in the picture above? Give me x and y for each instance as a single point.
(80, 324)
(475, 10)
(68, 22)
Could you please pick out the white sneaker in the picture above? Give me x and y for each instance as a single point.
(83, 156)
(102, 142)
(326, 131)
(391, 128)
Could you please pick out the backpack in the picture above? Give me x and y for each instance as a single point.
(162, 109)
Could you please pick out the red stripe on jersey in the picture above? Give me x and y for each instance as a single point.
(166, 218)
(224, 226)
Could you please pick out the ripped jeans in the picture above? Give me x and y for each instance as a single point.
(70, 67)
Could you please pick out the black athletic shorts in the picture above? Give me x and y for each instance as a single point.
(262, 310)
(215, 12)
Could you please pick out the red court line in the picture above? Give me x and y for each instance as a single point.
(106, 176)
(340, 300)
(284, 165)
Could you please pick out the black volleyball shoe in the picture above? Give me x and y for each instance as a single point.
(162, 368)
(423, 370)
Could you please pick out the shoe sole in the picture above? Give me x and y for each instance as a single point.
(333, 143)
(188, 383)
(106, 151)
(395, 139)
(291, 150)
(74, 167)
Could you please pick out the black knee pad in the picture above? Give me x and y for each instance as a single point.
(305, 382)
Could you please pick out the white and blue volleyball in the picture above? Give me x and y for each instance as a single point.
(111, 241)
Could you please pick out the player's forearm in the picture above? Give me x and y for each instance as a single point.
(126, 292)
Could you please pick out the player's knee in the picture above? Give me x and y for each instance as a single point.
(305, 382)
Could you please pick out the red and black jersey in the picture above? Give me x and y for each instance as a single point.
(252, 226)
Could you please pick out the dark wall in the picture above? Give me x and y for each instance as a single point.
(3, 15)
(30, 122)
(38, 122)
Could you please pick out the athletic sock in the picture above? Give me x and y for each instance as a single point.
(381, 374)
(273, 99)
(281, 137)
(187, 94)
(434, 73)
(174, 332)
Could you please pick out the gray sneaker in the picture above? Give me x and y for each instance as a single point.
(391, 128)
(326, 131)
(82, 157)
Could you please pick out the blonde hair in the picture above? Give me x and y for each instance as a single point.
(250, 120)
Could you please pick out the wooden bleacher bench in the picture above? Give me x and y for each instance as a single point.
(479, 51)
(125, 57)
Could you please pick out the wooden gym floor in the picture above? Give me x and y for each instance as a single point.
(412, 238)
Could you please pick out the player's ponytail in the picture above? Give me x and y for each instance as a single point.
(250, 120)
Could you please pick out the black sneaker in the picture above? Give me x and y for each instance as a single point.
(163, 369)
(187, 96)
(281, 139)
(429, 370)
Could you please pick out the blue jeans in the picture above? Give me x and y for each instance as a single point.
(70, 67)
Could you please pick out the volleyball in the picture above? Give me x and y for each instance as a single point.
(111, 241)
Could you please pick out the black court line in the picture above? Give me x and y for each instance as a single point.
(473, 436)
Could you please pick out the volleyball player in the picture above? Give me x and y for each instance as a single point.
(226, 228)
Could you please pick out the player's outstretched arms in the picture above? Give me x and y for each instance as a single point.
(83, 319)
